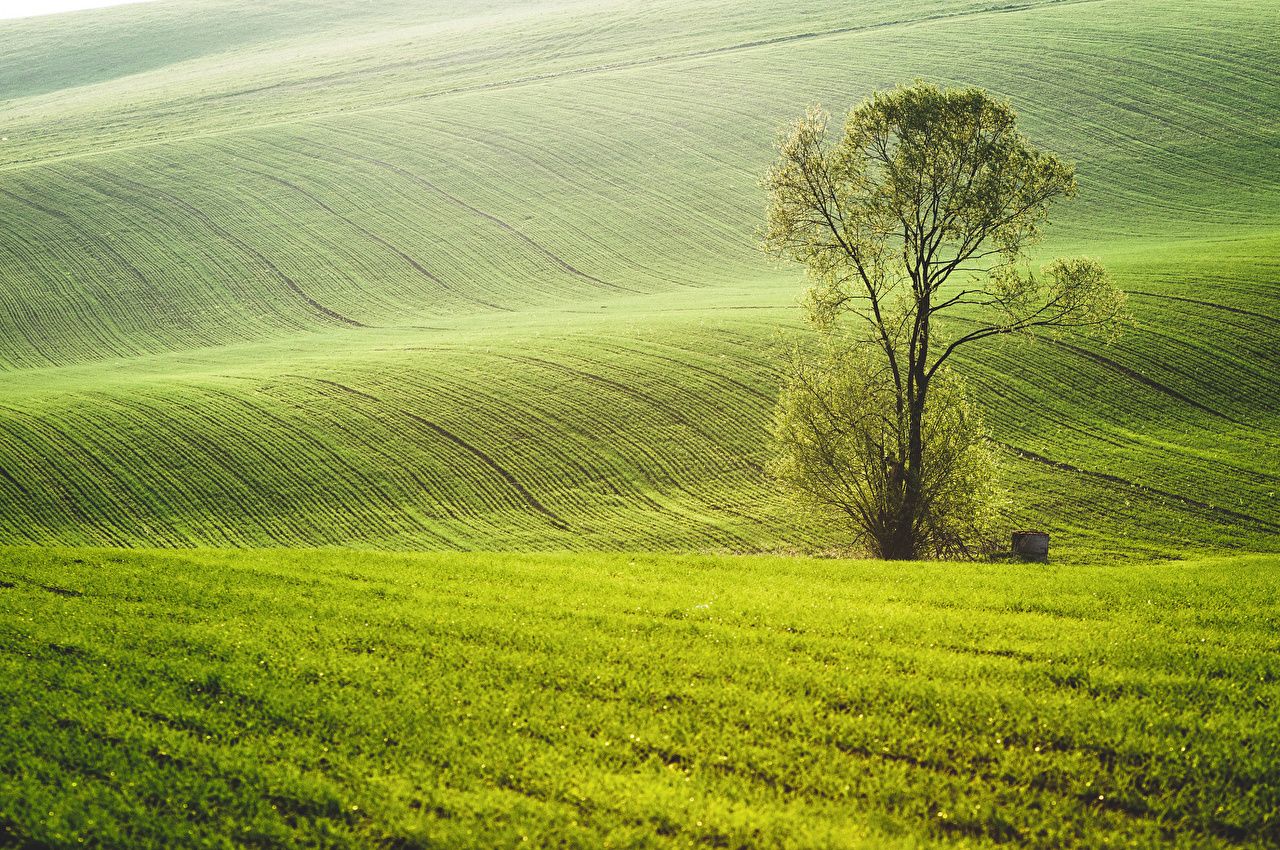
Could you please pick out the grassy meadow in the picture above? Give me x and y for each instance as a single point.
(384, 398)
(348, 699)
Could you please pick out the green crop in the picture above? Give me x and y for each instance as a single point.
(228, 699)
(407, 276)
(402, 279)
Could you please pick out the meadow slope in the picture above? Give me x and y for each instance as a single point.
(401, 279)
(325, 699)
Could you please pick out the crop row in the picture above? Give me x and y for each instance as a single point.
(584, 432)
(531, 311)
(577, 186)
(436, 448)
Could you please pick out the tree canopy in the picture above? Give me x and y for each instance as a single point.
(927, 202)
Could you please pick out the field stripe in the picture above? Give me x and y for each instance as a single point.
(1142, 489)
(374, 237)
(552, 76)
(461, 204)
(453, 438)
(241, 245)
(1251, 314)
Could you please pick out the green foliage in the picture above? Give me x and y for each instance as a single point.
(838, 441)
(926, 183)
(287, 699)
(1071, 294)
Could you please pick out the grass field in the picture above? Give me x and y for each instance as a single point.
(365, 367)
(401, 279)
(478, 700)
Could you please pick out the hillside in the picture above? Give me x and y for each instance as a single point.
(392, 277)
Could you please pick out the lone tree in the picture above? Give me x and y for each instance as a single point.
(927, 203)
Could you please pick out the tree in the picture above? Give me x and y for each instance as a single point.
(928, 203)
(839, 441)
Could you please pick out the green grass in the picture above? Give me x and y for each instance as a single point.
(331, 699)
(401, 276)
(396, 278)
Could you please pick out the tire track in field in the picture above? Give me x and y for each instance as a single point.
(1211, 304)
(701, 407)
(369, 234)
(449, 436)
(1127, 371)
(461, 204)
(574, 180)
(496, 395)
(236, 242)
(352, 476)
(273, 510)
(1140, 489)
(693, 367)
(632, 392)
(71, 493)
(1016, 399)
(1207, 351)
(656, 470)
(190, 444)
(1135, 375)
(775, 41)
(67, 219)
(109, 249)
(4, 473)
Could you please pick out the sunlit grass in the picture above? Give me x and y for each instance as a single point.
(349, 699)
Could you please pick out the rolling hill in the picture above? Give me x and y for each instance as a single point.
(320, 273)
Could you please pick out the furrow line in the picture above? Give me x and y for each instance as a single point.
(515, 82)
(4, 473)
(309, 442)
(684, 364)
(239, 243)
(1123, 482)
(465, 395)
(1127, 371)
(119, 343)
(137, 466)
(458, 441)
(591, 377)
(1211, 304)
(458, 202)
(1155, 455)
(652, 467)
(74, 496)
(369, 234)
(363, 455)
(1141, 379)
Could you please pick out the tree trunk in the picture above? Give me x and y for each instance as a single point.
(903, 545)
